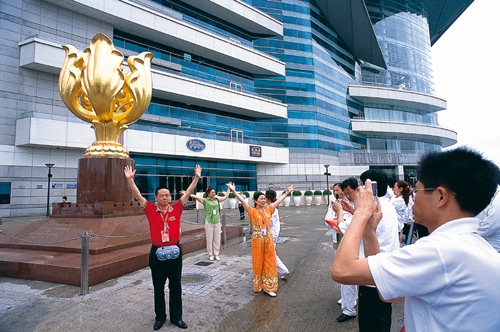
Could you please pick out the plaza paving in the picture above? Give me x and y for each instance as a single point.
(217, 296)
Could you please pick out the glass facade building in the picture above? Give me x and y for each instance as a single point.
(275, 90)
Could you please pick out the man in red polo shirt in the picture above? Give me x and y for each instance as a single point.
(165, 230)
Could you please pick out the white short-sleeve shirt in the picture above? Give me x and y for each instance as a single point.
(275, 223)
(489, 222)
(387, 229)
(449, 280)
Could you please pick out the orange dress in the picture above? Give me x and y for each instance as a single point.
(265, 272)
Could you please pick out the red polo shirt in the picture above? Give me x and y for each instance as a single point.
(156, 224)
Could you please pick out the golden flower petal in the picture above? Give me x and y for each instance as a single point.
(102, 75)
(137, 89)
(70, 88)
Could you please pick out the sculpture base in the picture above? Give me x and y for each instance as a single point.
(101, 179)
(117, 246)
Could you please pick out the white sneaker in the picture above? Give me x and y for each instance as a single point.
(211, 258)
(272, 294)
(339, 301)
(217, 258)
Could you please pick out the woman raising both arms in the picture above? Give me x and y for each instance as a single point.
(265, 272)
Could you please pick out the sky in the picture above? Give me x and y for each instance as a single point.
(467, 75)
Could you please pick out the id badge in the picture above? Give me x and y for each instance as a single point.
(214, 212)
(263, 230)
(164, 236)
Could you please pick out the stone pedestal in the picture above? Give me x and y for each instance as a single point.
(101, 179)
(102, 190)
(118, 245)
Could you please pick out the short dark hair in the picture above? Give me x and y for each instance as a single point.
(209, 189)
(376, 175)
(160, 188)
(464, 172)
(350, 182)
(256, 196)
(271, 195)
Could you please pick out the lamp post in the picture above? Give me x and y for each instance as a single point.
(48, 186)
(327, 186)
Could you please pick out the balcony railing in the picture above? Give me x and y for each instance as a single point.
(194, 22)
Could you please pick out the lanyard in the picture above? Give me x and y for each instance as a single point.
(165, 225)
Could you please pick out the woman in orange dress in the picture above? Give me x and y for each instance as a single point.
(265, 272)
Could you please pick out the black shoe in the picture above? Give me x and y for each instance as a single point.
(158, 324)
(181, 324)
(344, 318)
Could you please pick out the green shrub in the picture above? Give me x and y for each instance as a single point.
(296, 193)
(327, 192)
(232, 195)
(221, 194)
(246, 194)
(308, 193)
(318, 193)
(289, 194)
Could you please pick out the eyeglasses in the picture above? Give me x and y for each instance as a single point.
(415, 190)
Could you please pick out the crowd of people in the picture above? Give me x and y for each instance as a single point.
(453, 261)
(453, 271)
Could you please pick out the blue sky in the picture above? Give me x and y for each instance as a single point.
(467, 75)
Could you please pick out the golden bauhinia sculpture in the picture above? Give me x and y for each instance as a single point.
(94, 87)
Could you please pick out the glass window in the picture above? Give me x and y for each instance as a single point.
(176, 175)
(5, 192)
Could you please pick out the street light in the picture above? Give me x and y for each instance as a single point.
(48, 186)
(327, 186)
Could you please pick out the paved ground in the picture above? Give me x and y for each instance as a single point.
(217, 296)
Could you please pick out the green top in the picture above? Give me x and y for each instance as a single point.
(212, 214)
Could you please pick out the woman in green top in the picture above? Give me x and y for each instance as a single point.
(212, 221)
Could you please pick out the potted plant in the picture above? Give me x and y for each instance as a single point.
(317, 196)
(232, 200)
(286, 201)
(308, 195)
(296, 197)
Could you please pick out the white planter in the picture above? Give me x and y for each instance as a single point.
(317, 198)
(232, 203)
(296, 200)
(286, 201)
(308, 200)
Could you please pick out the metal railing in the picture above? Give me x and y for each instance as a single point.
(85, 252)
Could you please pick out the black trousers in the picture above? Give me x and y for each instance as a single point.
(374, 315)
(170, 269)
(421, 230)
(242, 212)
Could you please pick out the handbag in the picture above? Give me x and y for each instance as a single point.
(330, 219)
(168, 252)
